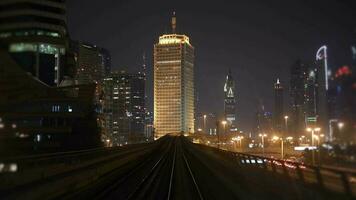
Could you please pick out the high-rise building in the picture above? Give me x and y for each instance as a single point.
(311, 95)
(299, 75)
(230, 101)
(92, 63)
(124, 107)
(278, 114)
(105, 58)
(263, 121)
(35, 34)
(173, 84)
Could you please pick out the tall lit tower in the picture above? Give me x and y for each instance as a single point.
(278, 106)
(230, 100)
(173, 84)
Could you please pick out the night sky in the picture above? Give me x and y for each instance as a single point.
(258, 40)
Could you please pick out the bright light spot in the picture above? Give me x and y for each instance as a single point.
(2, 166)
(13, 167)
(275, 138)
(289, 138)
(340, 125)
(22, 135)
(302, 148)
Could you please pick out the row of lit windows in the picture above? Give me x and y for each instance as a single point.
(40, 47)
(29, 33)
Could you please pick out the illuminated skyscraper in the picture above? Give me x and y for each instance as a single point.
(311, 94)
(278, 106)
(173, 84)
(230, 100)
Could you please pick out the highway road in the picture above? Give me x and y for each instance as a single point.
(169, 168)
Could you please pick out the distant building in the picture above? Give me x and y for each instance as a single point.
(343, 88)
(298, 81)
(149, 130)
(105, 60)
(230, 101)
(263, 121)
(37, 40)
(311, 95)
(124, 107)
(278, 114)
(173, 84)
(92, 63)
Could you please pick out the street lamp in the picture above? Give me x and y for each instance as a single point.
(239, 139)
(286, 122)
(313, 130)
(224, 124)
(340, 125)
(263, 142)
(204, 128)
(282, 144)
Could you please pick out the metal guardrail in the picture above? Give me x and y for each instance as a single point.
(342, 181)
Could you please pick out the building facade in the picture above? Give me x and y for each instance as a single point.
(92, 63)
(173, 84)
(124, 108)
(298, 81)
(278, 114)
(36, 116)
(230, 101)
(35, 34)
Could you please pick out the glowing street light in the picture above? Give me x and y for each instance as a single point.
(313, 130)
(224, 124)
(340, 125)
(275, 138)
(263, 142)
(239, 139)
(204, 128)
(286, 122)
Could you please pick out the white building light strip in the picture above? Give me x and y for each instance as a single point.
(168, 62)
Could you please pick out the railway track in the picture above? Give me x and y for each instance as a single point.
(155, 177)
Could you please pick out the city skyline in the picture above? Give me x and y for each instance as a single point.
(178, 100)
(247, 49)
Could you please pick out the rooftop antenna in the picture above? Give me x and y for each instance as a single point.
(174, 22)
